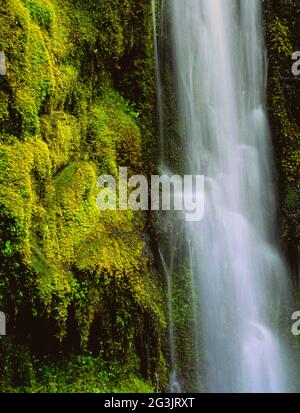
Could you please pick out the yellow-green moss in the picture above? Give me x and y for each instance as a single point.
(281, 30)
(62, 124)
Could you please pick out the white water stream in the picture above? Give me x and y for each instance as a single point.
(220, 65)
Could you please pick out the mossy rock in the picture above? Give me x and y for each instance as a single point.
(63, 122)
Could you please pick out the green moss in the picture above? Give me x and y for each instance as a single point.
(62, 134)
(41, 12)
(282, 19)
(63, 262)
(3, 106)
(114, 137)
(79, 374)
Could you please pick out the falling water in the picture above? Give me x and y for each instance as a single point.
(219, 66)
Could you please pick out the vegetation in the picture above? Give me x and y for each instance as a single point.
(85, 303)
(282, 23)
(78, 288)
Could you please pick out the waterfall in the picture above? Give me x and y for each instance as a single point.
(238, 280)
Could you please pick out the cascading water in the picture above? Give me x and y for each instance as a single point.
(218, 61)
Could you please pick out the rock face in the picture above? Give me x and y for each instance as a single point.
(77, 101)
(83, 300)
(282, 31)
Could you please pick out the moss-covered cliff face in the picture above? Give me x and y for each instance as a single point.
(282, 30)
(84, 302)
(78, 286)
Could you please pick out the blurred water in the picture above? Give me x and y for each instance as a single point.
(219, 64)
